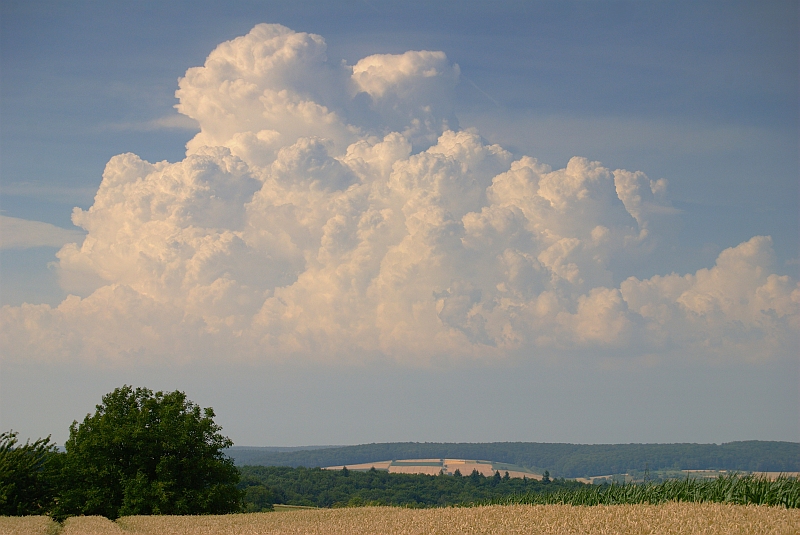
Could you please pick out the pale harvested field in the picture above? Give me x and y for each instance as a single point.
(467, 468)
(449, 465)
(381, 465)
(427, 470)
(590, 480)
(772, 476)
(520, 475)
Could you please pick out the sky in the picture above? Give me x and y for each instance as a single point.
(367, 221)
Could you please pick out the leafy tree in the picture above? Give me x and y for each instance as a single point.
(475, 476)
(546, 477)
(146, 453)
(258, 498)
(27, 475)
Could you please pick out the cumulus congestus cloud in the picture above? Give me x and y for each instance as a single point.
(327, 211)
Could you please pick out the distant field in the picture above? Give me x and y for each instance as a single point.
(448, 466)
(669, 519)
(488, 468)
(772, 476)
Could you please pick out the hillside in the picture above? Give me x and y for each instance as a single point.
(562, 460)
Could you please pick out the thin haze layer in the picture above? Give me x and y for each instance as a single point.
(336, 212)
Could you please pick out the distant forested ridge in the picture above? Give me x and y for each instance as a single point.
(562, 460)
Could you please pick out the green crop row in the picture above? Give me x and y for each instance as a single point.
(730, 489)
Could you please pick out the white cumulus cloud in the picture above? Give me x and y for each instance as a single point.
(336, 212)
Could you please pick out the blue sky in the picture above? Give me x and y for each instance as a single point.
(702, 94)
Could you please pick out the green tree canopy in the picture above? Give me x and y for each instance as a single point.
(26, 475)
(146, 453)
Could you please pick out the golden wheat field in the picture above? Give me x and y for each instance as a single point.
(27, 525)
(670, 518)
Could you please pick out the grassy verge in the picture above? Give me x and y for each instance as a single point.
(285, 508)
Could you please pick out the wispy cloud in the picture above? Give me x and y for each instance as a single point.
(50, 192)
(603, 134)
(168, 122)
(16, 233)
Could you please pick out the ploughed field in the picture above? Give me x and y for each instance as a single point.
(667, 518)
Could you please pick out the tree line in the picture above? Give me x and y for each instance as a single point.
(562, 460)
(268, 485)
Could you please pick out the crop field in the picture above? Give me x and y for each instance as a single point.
(28, 525)
(732, 489)
(668, 518)
(665, 475)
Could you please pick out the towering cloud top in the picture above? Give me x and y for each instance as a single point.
(337, 212)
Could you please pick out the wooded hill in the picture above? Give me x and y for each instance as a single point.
(562, 460)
